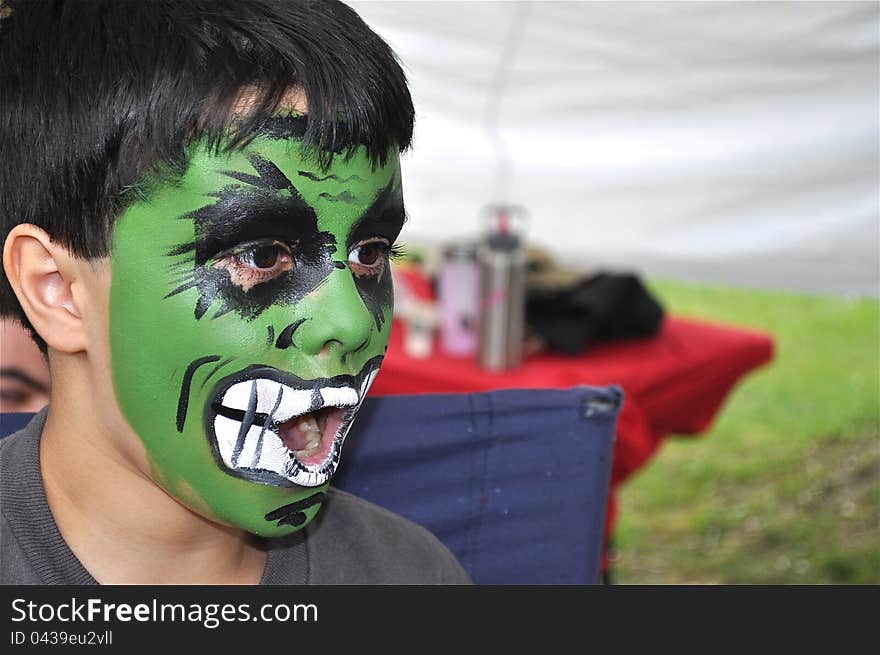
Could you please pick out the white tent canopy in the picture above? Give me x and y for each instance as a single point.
(732, 143)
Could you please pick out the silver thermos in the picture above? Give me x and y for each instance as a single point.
(502, 259)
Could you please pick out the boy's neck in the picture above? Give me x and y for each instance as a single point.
(122, 526)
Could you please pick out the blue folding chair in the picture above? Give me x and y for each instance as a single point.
(514, 482)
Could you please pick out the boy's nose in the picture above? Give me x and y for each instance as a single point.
(339, 324)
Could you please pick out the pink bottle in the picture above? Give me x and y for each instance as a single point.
(458, 291)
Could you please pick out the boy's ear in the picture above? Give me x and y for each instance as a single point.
(45, 277)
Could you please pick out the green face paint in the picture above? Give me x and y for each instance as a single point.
(250, 309)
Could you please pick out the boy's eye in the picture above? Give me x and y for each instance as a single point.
(253, 263)
(369, 257)
(264, 257)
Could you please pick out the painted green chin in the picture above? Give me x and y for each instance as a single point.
(240, 455)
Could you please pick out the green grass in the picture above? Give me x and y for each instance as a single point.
(785, 486)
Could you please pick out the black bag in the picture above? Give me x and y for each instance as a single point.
(601, 307)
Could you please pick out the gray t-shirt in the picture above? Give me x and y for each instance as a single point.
(350, 541)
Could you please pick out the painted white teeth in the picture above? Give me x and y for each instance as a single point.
(294, 402)
(339, 396)
(262, 447)
(226, 433)
(238, 395)
(226, 430)
(370, 378)
(267, 395)
(274, 454)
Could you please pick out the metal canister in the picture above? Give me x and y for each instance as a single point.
(458, 291)
(503, 282)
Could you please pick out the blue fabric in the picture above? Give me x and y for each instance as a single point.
(13, 422)
(514, 482)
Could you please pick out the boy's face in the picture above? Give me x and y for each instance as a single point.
(250, 309)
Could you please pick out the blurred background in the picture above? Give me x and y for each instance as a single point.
(726, 155)
(716, 142)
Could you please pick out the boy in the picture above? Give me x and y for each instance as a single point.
(198, 202)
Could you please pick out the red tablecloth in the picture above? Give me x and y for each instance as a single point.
(674, 383)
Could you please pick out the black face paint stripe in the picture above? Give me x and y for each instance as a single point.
(202, 305)
(339, 265)
(270, 337)
(183, 248)
(384, 217)
(182, 264)
(283, 127)
(213, 371)
(222, 311)
(361, 347)
(293, 514)
(189, 284)
(345, 197)
(183, 401)
(270, 420)
(246, 423)
(269, 176)
(285, 339)
(291, 127)
(259, 418)
(342, 180)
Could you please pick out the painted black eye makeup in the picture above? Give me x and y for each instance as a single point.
(383, 220)
(257, 245)
(370, 245)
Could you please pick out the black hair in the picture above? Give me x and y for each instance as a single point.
(98, 95)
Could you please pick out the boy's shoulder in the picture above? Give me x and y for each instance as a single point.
(353, 541)
(23, 515)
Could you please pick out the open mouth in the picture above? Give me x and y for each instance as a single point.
(271, 427)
